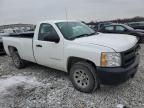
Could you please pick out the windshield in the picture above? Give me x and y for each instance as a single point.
(73, 30)
(128, 27)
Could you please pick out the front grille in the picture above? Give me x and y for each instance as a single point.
(128, 57)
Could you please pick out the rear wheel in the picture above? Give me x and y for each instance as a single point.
(18, 62)
(142, 40)
(83, 77)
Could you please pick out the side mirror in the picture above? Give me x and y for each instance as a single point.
(125, 30)
(52, 38)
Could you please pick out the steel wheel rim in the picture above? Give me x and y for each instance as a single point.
(81, 78)
(16, 59)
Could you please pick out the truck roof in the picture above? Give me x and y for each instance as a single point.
(57, 21)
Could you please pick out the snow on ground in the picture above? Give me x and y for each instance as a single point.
(9, 82)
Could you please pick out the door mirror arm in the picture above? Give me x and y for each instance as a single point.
(126, 30)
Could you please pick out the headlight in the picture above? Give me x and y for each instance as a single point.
(110, 59)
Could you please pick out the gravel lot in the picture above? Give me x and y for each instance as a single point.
(40, 87)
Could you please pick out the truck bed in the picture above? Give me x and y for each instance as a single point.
(23, 45)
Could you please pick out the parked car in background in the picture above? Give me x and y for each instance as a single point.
(90, 58)
(100, 25)
(137, 25)
(123, 29)
(97, 26)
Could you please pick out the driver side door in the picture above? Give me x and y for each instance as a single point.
(48, 53)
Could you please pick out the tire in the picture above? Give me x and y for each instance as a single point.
(142, 41)
(18, 62)
(83, 77)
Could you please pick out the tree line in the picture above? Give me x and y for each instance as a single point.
(124, 20)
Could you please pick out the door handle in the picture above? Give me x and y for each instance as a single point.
(38, 45)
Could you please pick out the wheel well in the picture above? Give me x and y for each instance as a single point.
(73, 60)
(12, 49)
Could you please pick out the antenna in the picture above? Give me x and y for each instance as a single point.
(66, 13)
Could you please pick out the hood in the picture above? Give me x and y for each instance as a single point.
(117, 42)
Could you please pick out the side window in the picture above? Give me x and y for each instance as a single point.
(120, 28)
(109, 28)
(46, 30)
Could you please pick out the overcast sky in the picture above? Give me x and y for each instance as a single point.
(32, 11)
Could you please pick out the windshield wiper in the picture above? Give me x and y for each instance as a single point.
(92, 34)
(82, 35)
(79, 36)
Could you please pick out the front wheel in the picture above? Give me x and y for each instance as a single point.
(83, 77)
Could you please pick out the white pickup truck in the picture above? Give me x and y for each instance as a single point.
(90, 58)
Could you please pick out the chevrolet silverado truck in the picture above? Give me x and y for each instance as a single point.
(90, 58)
